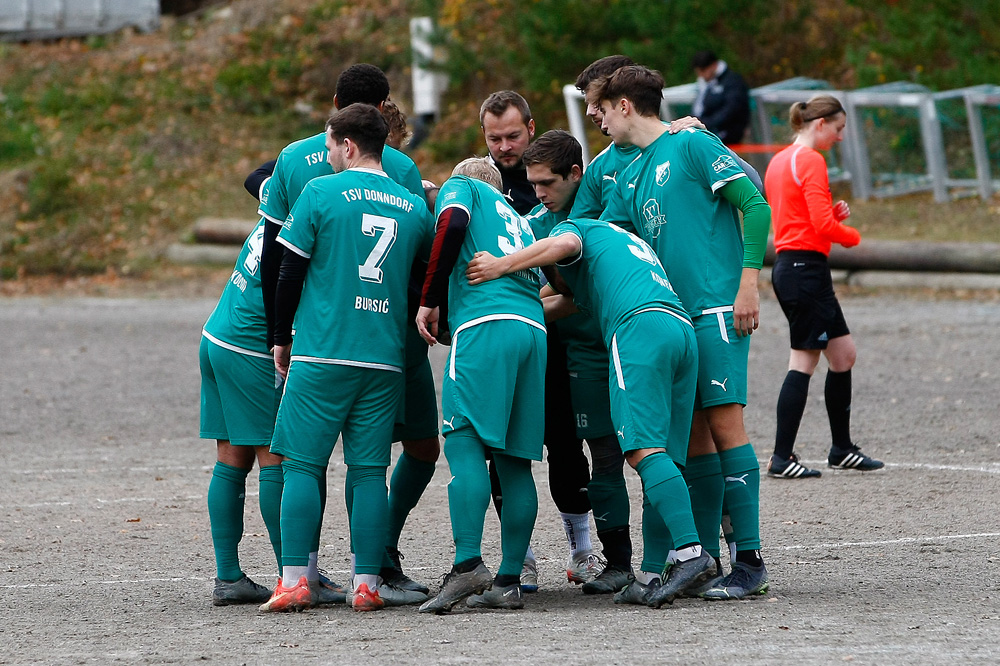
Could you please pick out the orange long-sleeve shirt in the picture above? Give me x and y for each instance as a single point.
(798, 190)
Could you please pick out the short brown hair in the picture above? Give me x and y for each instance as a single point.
(818, 106)
(498, 103)
(640, 85)
(480, 168)
(605, 66)
(364, 125)
(557, 149)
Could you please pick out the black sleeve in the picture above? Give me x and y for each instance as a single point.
(257, 178)
(451, 227)
(271, 255)
(291, 277)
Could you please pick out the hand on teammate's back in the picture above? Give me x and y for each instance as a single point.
(483, 268)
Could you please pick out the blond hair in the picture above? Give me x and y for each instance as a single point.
(480, 168)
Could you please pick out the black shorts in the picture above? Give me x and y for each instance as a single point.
(802, 283)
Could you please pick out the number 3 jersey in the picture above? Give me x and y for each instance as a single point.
(237, 323)
(360, 231)
(496, 228)
(615, 276)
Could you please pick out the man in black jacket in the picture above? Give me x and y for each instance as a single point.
(723, 102)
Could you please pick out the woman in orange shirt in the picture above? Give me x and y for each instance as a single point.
(806, 224)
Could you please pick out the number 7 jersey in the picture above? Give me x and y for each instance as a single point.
(496, 228)
(360, 231)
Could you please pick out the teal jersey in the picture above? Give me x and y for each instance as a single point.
(496, 228)
(237, 323)
(669, 197)
(360, 231)
(304, 160)
(586, 355)
(615, 276)
(599, 180)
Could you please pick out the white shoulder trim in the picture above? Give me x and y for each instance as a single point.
(719, 184)
(260, 211)
(795, 171)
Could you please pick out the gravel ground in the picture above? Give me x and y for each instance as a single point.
(107, 556)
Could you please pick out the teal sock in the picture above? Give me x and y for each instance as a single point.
(703, 475)
(520, 508)
(371, 506)
(468, 493)
(742, 478)
(300, 511)
(226, 499)
(409, 480)
(314, 544)
(272, 482)
(349, 500)
(663, 484)
(656, 542)
(609, 499)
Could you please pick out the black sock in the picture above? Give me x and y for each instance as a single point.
(751, 557)
(791, 404)
(504, 580)
(616, 545)
(468, 565)
(838, 408)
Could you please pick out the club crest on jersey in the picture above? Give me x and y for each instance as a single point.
(653, 218)
(724, 162)
(663, 173)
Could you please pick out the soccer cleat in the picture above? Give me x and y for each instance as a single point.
(327, 592)
(714, 579)
(778, 468)
(394, 576)
(365, 599)
(529, 576)
(584, 567)
(508, 596)
(458, 586)
(612, 579)
(394, 596)
(242, 591)
(285, 599)
(636, 593)
(743, 581)
(681, 577)
(852, 458)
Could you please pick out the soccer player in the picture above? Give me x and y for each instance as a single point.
(351, 239)
(806, 224)
(618, 280)
(491, 399)
(297, 164)
(240, 392)
(684, 197)
(554, 164)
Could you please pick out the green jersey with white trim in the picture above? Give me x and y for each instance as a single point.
(496, 228)
(361, 231)
(303, 160)
(237, 322)
(599, 180)
(586, 355)
(669, 197)
(615, 276)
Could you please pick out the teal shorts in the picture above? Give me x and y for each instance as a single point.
(591, 407)
(323, 401)
(494, 385)
(654, 366)
(240, 395)
(417, 417)
(722, 359)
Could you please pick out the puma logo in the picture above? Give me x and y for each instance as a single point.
(721, 384)
(603, 517)
(611, 178)
(450, 424)
(621, 433)
(742, 478)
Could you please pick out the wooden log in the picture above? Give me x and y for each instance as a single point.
(905, 255)
(222, 231)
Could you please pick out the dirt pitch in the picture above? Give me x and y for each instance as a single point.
(107, 557)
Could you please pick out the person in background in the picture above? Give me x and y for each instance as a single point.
(723, 101)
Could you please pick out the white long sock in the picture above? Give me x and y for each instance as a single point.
(577, 526)
(312, 569)
(371, 580)
(290, 575)
(530, 555)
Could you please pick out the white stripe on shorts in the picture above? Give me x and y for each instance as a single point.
(234, 348)
(618, 362)
(483, 320)
(720, 313)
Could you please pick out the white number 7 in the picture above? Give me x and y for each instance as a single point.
(370, 224)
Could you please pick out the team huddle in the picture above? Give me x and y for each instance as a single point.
(612, 306)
